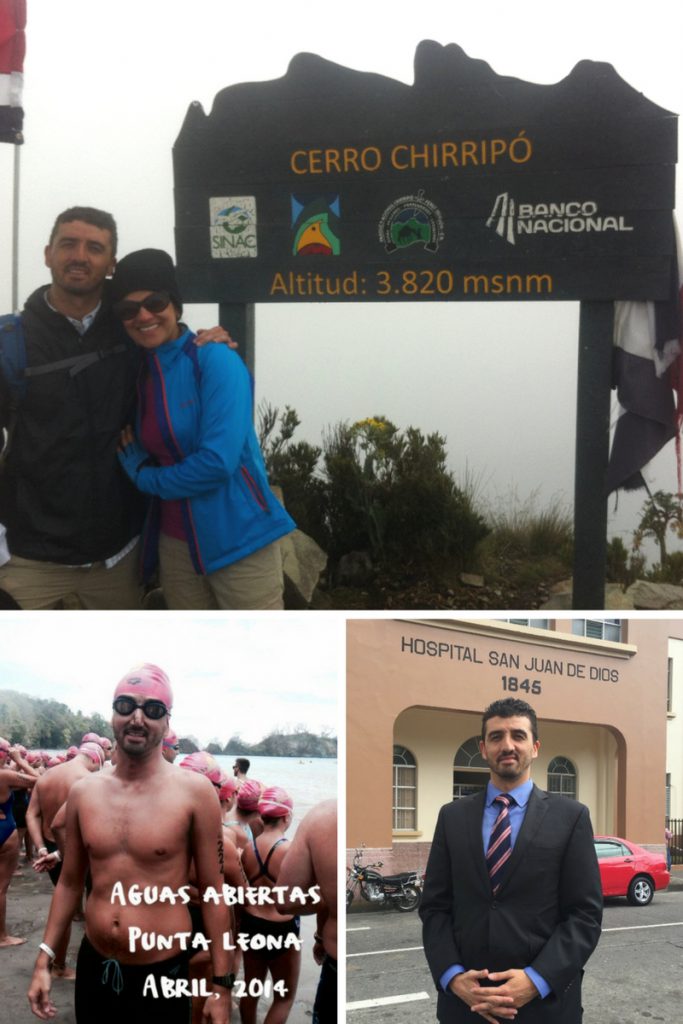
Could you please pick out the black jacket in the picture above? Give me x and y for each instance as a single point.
(546, 915)
(63, 496)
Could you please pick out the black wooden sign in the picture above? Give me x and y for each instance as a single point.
(337, 185)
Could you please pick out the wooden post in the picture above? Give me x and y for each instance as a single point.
(596, 328)
(239, 321)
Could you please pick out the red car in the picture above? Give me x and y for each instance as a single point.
(629, 870)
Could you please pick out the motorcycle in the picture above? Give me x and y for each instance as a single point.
(402, 891)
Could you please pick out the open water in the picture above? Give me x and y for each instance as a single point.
(307, 780)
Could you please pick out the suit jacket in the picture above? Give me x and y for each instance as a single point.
(546, 915)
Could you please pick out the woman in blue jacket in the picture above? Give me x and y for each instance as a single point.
(213, 522)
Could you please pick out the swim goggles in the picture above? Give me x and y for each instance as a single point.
(153, 709)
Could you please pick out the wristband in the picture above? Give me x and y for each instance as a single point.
(42, 849)
(57, 854)
(46, 949)
(224, 980)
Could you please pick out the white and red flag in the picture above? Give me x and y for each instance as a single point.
(12, 50)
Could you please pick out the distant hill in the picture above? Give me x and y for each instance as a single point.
(279, 744)
(45, 724)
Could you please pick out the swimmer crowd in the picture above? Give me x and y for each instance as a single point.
(190, 889)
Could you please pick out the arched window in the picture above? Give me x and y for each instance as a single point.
(404, 790)
(562, 777)
(470, 770)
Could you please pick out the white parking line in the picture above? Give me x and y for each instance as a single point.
(367, 1004)
(414, 949)
(638, 927)
(379, 952)
(365, 928)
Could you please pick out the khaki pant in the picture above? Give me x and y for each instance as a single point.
(254, 582)
(35, 584)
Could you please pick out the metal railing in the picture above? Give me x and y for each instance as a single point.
(675, 825)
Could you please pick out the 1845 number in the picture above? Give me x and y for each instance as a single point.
(513, 685)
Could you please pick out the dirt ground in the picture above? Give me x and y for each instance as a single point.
(27, 907)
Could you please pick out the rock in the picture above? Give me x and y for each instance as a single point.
(655, 596)
(561, 598)
(470, 579)
(302, 561)
(354, 569)
(560, 601)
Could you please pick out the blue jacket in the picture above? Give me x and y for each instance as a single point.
(203, 405)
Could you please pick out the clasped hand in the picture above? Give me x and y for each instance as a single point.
(494, 1003)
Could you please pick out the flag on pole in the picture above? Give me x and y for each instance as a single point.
(647, 371)
(12, 50)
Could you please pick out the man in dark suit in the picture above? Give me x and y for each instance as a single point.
(512, 902)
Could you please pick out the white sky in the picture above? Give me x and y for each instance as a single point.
(229, 674)
(107, 88)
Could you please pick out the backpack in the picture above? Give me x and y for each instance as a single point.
(12, 368)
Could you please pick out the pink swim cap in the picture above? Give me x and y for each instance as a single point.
(147, 681)
(105, 743)
(91, 737)
(204, 764)
(228, 787)
(249, 795)
(275, 803)
(170, 739)
(71, 753)
(93, 751)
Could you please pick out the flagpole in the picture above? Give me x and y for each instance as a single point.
(15, 229)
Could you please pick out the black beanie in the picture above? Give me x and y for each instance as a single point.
(145, 270)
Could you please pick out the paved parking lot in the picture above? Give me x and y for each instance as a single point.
(634, 976)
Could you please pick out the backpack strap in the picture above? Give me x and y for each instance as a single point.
(74, 364)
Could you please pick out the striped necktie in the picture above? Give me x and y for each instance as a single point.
(500, 846)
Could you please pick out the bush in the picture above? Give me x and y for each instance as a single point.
(522, 531)
(391, 494)
(379, 490)
(293, 468)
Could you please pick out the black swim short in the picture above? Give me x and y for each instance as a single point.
(56, 871)
(108, 992)
(19, 805)
(251, 926)
(325, 1006)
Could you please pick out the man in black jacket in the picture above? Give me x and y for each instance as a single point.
(512, 902)
(71, 515)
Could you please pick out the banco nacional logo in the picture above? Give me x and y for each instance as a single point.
(511, 219)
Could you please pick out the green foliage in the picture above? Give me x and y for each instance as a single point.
(389, 493)
(543, 539)
(379, 489)
(293, 468)
(661, 514)
(45, 723)
(670, 572)
(623, 566)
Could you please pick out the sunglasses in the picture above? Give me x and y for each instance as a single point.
(153, 709)
(128, 309)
